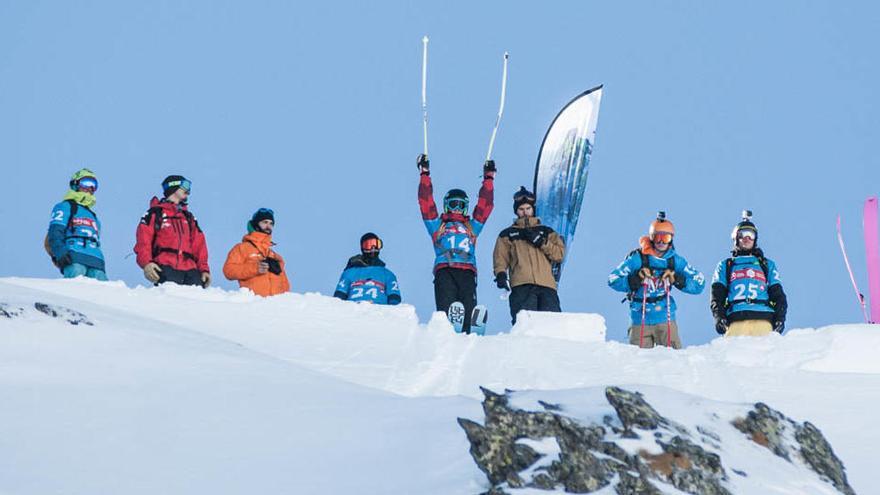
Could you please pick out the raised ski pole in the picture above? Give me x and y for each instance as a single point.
(500, 108)
(644, 305)
(852, 278)
(425, 91)
(668, 317)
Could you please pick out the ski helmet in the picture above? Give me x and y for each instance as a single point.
(745, 225)
(174, 182)
(83, 178)
(259, 216)
(370, 244)
(455, 200)
(522, 197)
(661, 226)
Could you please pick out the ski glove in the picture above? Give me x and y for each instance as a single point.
(645, 273)
(489, 166)
(668, 277)
(65, 260)
(151, 272)
(274, 266)
(721, 325)
(514, 234)
(680, 281)
(501, 280)
(537, 238)
(634, 280)
(423, 164)
(778, 326)
(206, 279)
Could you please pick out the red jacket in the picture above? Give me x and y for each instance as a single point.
(178, 242)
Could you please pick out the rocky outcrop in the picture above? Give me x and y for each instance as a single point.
(548, 450)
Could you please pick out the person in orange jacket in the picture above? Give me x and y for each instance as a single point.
(253, 262)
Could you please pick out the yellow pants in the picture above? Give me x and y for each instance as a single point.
(749, 328)
(654, 335)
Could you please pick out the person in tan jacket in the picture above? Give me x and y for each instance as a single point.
(528, 251)
(253, 262)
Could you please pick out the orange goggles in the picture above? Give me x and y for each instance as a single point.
(371, 244)
(663, 237)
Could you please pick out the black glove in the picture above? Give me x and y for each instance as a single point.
(778, 326)
(274, 265)
(721, 325)
(65, 260)
(514, 234)
(537, 238)
(489, 166)
(501, 280)
(634, 280)
(680, 281)
(423, 164)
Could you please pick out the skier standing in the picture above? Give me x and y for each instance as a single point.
(747, 295)
(170, 245)
(366, 278)
(647, 275)
(454, 236)
(74, 237)
(253, 262)
(528, 250)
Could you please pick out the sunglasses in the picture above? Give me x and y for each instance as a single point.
(371, 244)
(662, 237)
(185, 184)
(88, 183)
(751, 234)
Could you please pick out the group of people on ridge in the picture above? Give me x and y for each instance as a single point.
(747, 295)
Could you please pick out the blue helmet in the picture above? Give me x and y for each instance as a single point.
(455, 200)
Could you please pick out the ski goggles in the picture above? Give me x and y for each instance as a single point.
(88, 183)
(523, 196)
(662, 237)
(371, 244)
(751, 234)
(456, 205)
(184, 184)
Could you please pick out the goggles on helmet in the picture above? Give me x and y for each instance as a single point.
(456, 205)
(662, 237)
(523, 195)
(184, 184)
(87, 183)
(751, 234)
(371, 244)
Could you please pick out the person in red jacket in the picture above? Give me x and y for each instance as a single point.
(170, 245)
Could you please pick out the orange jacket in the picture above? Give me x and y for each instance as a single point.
(243, 261)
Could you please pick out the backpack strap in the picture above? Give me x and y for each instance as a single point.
(74, 206)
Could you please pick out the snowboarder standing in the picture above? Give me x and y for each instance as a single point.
(528, 250)
(170, 245)
(74, 237)
(253, 262)
(647, 275)
(366, 278)
(747, 295)
(454, 236)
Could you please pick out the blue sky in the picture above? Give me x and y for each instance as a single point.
(313, 109)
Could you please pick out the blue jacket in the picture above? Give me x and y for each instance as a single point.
(687, 279)
(367, 279)
(747, 290)
(78, 234)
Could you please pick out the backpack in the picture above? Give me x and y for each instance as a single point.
(670, 265)
(158, 214)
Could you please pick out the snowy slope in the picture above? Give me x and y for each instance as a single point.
(183, 390)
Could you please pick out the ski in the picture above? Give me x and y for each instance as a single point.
(872, 255)
(455, 313)
(859, 296)
(479, 317)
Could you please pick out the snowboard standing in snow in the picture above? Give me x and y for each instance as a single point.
(645, 275)
(528, 251)
(454, 237)
(747, 296)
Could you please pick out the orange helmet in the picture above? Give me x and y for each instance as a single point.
(661, 224)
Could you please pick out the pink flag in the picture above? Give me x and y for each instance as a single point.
(872, 251)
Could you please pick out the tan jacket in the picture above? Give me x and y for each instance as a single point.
(528, 264)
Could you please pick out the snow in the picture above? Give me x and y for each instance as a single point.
(184, 390)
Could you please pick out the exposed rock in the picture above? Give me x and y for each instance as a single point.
(818, 454)
(10, 311)
(767, 428)
(635, 485)
(68, 315)
(632, 410)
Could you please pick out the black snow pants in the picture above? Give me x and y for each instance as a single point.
(456, 284)
(180, 277)
(533, 297)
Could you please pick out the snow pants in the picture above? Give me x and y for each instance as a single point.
(532, 297)
(654, 335)
(180, 277)
(79, 270)
(749, 328)
(455, 284)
